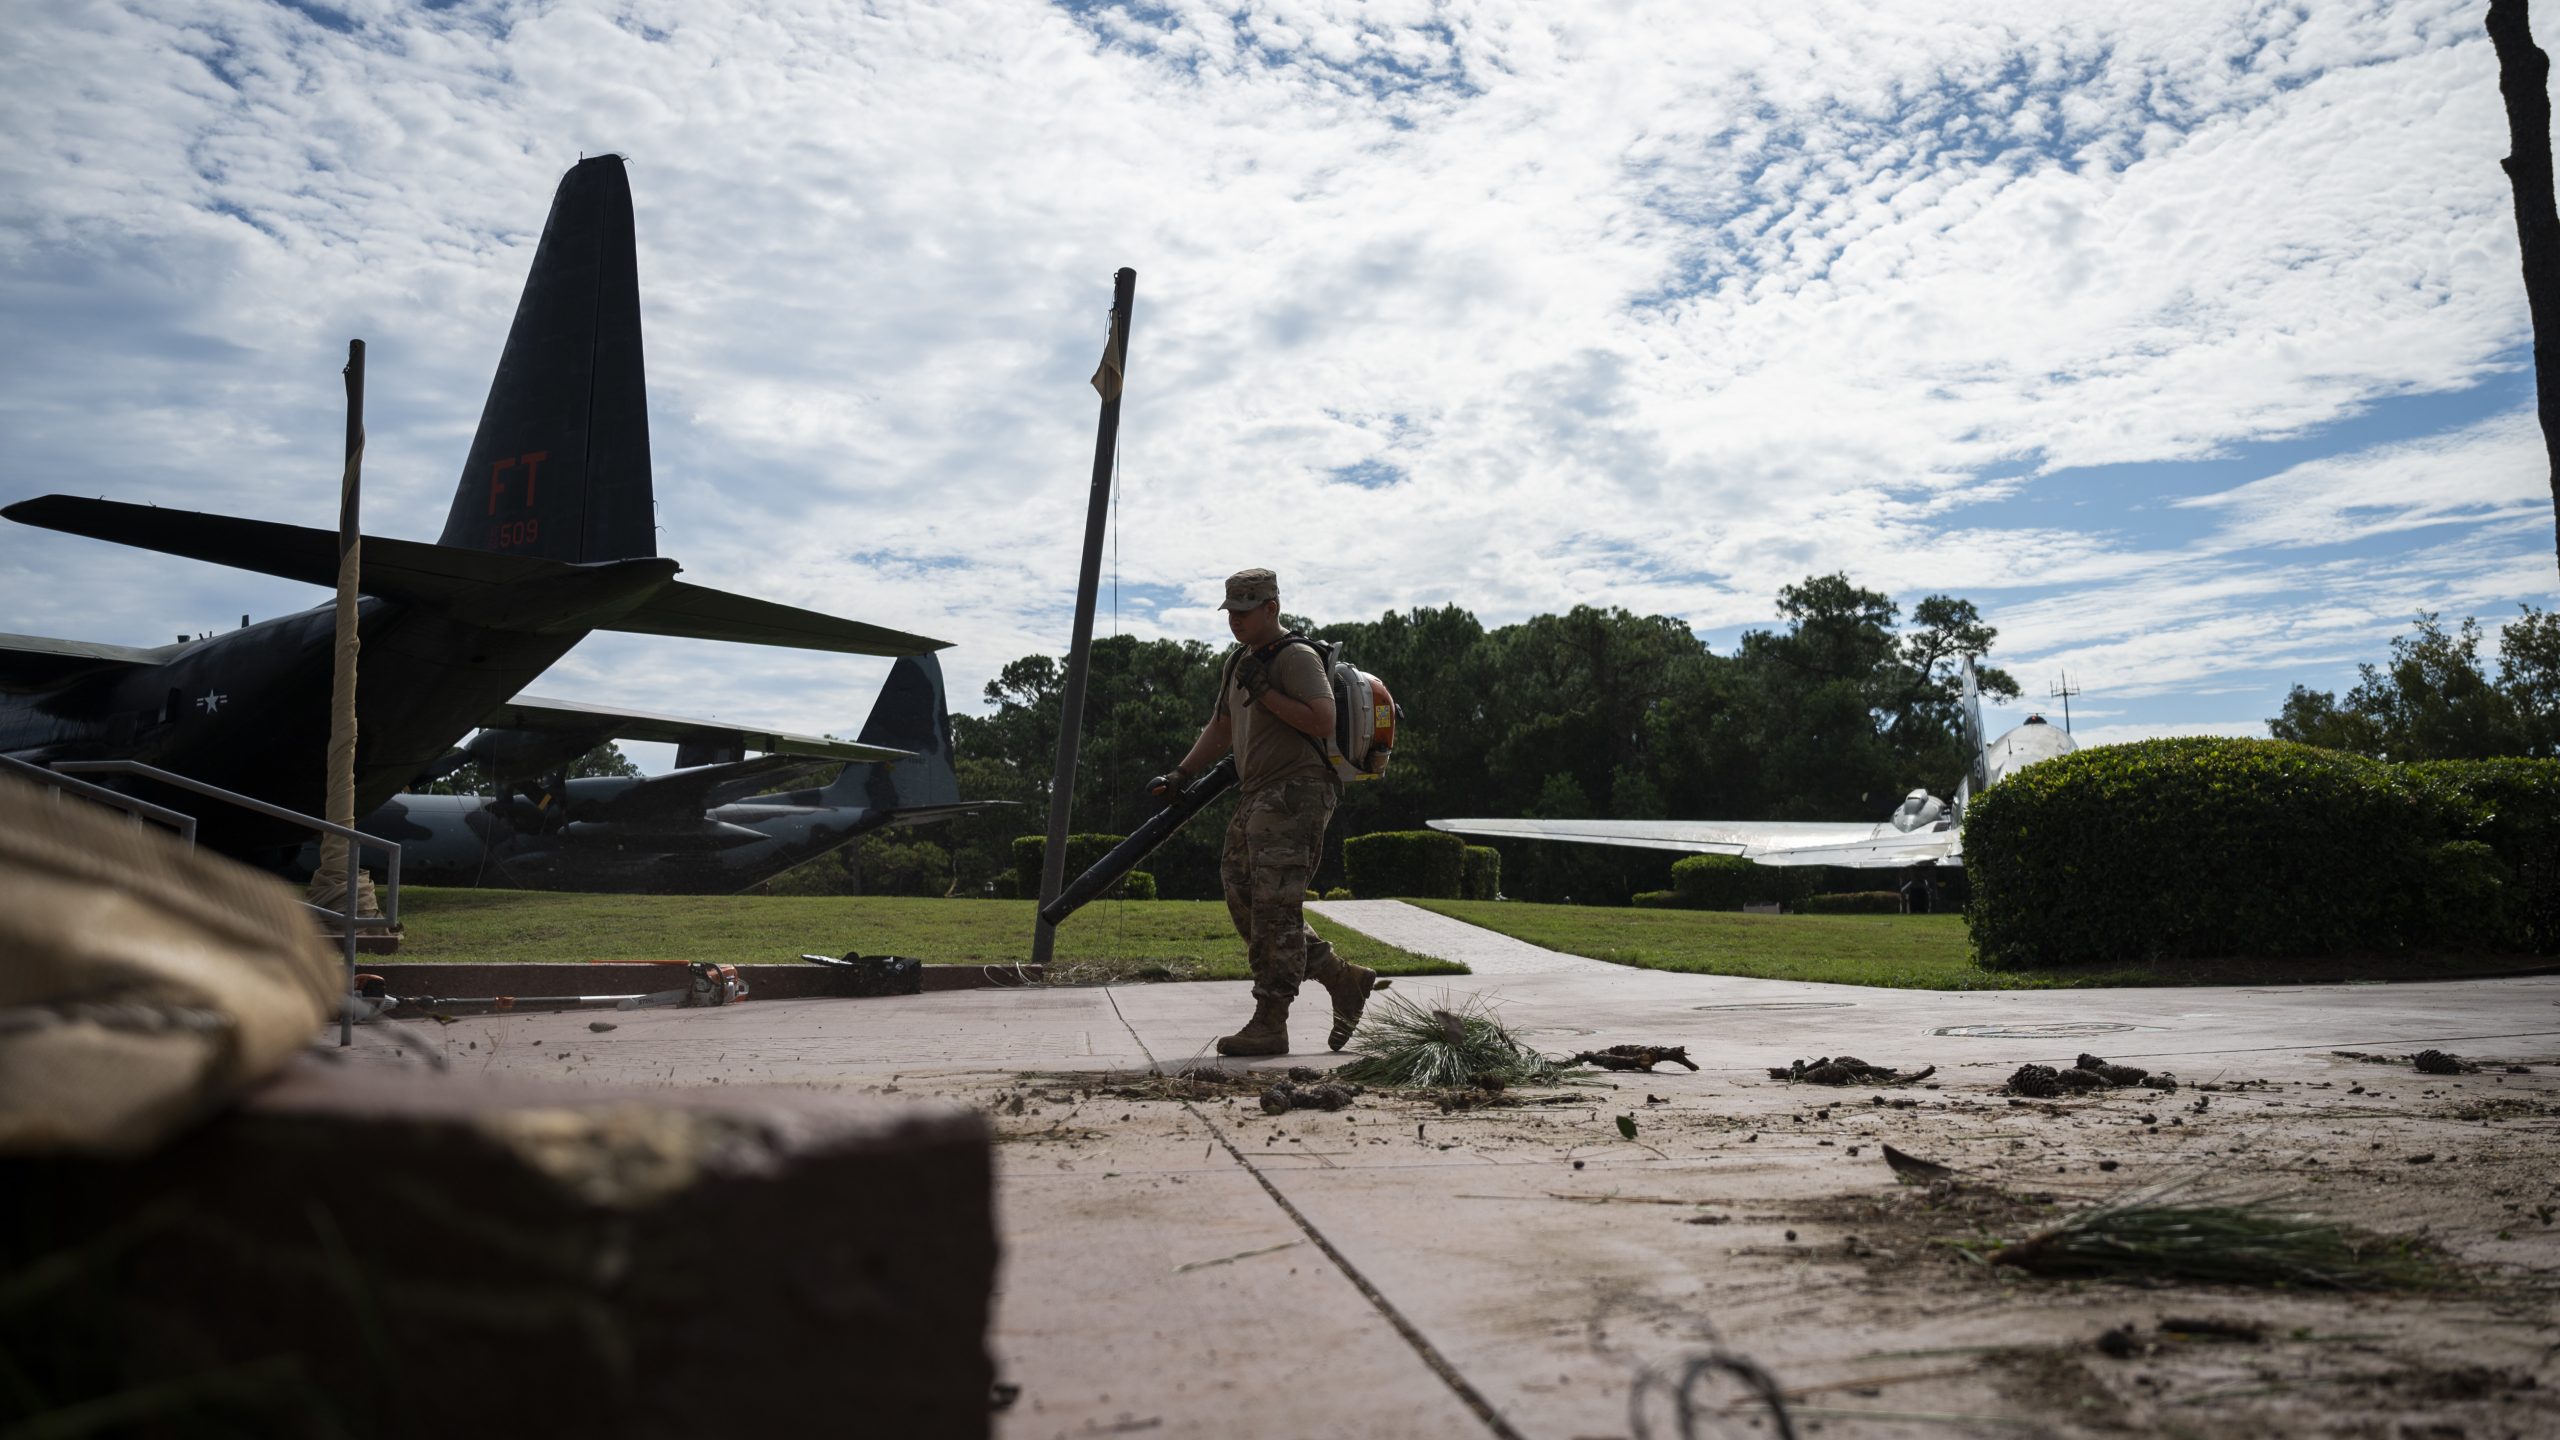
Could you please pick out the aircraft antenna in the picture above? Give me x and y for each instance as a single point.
(2063, 690)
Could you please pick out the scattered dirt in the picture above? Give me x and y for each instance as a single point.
(1847, 1070)
(1287, 1095)
(2089, 1072)
(1636, 1057)
(1763, 1198)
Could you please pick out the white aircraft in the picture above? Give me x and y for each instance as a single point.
(1922, 830)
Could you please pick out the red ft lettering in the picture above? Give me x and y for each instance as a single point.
(498, 481)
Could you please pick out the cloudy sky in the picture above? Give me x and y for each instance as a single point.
(2186, 339)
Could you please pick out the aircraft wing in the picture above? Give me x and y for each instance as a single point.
(1891, 850)
(33, 661)
(688, 793)
(1696, 837)
(532, 712)
(923, 814)
(1850, 844)
(508, 592)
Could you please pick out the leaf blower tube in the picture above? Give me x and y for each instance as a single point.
(1152, 832)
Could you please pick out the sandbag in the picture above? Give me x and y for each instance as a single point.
(142, 982)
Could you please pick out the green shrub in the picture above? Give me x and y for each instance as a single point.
(1425, 864)
(1656, 900)
(1716, 882)
(1480, 873)
(1729, 882)
(2196, 848)
(1338, 892)
(2513, 807)
(1852, 902)
(1138, 886)
(1082, 851)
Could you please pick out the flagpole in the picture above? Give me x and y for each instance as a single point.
(1108, 379)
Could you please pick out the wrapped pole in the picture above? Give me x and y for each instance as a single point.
(1106, 441)
(338, 856)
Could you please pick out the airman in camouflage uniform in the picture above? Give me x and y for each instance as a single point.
(1275, 705)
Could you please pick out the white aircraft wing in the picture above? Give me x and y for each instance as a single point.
(1850, 844)
(1890, 850)
(1697, 837)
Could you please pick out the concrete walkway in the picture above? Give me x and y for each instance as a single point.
(1197, 1268)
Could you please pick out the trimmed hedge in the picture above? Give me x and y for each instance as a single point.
(1338, 892)
(1082, 851)
(2513, 808)
(1480, 874)
(1729, 882)
(2198, 847)
(1424, 864)
(1656, 900)
(1852, 902)
(1720, 882)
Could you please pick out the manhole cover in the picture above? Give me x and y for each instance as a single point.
(2056, 1030)
(1783, 1005)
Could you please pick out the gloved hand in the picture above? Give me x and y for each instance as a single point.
(1164, 785)
(1253, 676)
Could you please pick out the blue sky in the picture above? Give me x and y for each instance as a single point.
(2187, 342)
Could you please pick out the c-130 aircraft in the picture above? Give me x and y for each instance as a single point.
(696, 830)
(551, 535)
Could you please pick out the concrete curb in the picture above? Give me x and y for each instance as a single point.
(764, 982)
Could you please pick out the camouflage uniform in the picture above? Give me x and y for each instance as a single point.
(1273, 844)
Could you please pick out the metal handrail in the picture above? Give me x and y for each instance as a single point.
(178, 820)
(389, 919)
(356, 841)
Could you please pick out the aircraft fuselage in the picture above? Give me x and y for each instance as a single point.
(249, 711)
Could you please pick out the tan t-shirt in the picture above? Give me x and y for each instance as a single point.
(1268, 751)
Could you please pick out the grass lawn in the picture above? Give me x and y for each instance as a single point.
(1907, 952)
(1138, 940)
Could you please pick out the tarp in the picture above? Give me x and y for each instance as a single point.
(142, 983)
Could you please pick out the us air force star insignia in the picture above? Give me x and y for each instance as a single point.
(211, 701)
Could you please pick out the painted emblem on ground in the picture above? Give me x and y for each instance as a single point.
(2050, 1030)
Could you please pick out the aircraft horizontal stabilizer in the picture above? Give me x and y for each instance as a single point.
(29, 662)
(532, 712)
(483, 587)
(704, 614)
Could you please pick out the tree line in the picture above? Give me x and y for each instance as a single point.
(1594, 712)
(2437, 699)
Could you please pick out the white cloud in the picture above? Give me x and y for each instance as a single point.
(2092, 736)
(1655, 305)
(2491, 471)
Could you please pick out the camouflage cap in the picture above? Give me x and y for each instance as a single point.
(1251, 589)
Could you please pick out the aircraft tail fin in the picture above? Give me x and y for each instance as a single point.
(560, 466)
(911, 714)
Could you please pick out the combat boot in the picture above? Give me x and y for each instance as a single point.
(1267, 1033)
(1349, 985)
